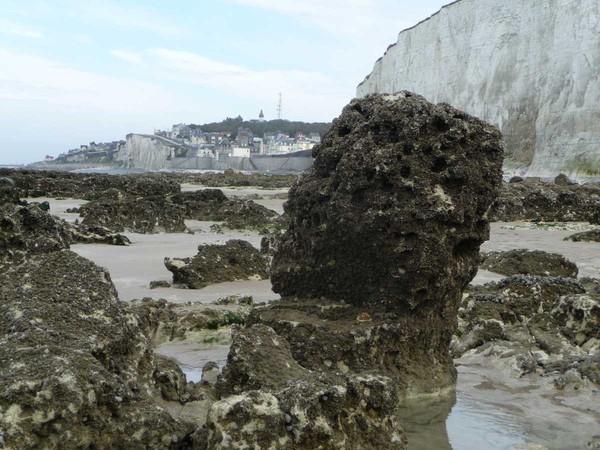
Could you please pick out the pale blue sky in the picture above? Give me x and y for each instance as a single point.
(73, 71)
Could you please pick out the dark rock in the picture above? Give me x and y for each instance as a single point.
(400, 189)
(28, 230)
(151, 214)
(591, 368)
(537, 200)
(142, 215)
(562, 180)
(382, 239)
(516, 179)
(236, 260)
(77, 372)
(585, 236)
(551, 317)
(526, 262)
(159, 284)
(89, 186)
(280, 404)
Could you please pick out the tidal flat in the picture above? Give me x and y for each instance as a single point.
(490, 410)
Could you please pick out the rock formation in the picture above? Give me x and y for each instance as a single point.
(534, 199)
(383, 238)
(118, 212)
(585, 236)
(526, 262)
(77, 371)
(525, 324)
(87, 186)
(234, 261)
(528, 67)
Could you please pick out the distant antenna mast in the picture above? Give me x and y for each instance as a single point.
(279, 107)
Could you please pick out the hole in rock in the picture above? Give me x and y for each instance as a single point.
(408, 149)
(405, 171)
(439, 165)
(465, 247)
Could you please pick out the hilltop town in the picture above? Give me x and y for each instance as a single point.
(231, 138)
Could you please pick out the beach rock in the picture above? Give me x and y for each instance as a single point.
(76, 369)
(537, 200)
(293, 407)
(400, 188)
(28, 230)
(141, 215)
(159, 284)
(585, 236)
(89, 186)
(590, 368)
(551, 318)
(162, 321)
(382, 239)
(562, 180)
(234, 261)
(168, 213)
(527, 262)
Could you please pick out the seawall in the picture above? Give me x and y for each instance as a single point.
(530, 67)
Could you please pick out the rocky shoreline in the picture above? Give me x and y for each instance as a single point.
(371, 256)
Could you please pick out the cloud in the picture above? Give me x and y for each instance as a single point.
(46, 84)
(15, 29)
(130, 57)
(306, 93)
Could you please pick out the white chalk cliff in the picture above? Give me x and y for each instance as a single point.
(149, 152)
(531, 67)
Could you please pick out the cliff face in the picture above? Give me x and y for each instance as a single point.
(149, 152)
(530, 67)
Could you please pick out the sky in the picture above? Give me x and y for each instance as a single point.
(74, 71)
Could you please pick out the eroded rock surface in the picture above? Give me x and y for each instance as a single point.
(168, 213)
(236, 260)
(528, 262)
(528, 324)
(585, 236)
(383, 238)
(537, 200)
(88, 186)
(76, 370)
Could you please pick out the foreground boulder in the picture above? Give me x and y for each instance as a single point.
(76, 370)
(527, 262)
(234, 261)
(383, 238)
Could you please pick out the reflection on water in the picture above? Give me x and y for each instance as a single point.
(460, 423)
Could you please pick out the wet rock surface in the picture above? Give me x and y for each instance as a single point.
(163, 322)
(87, 186)
(77, 372)
(383, 238)
(168, 213)
(236, 260)
(527, 324)
(585, 236)
(528, 262)
(537, 200)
